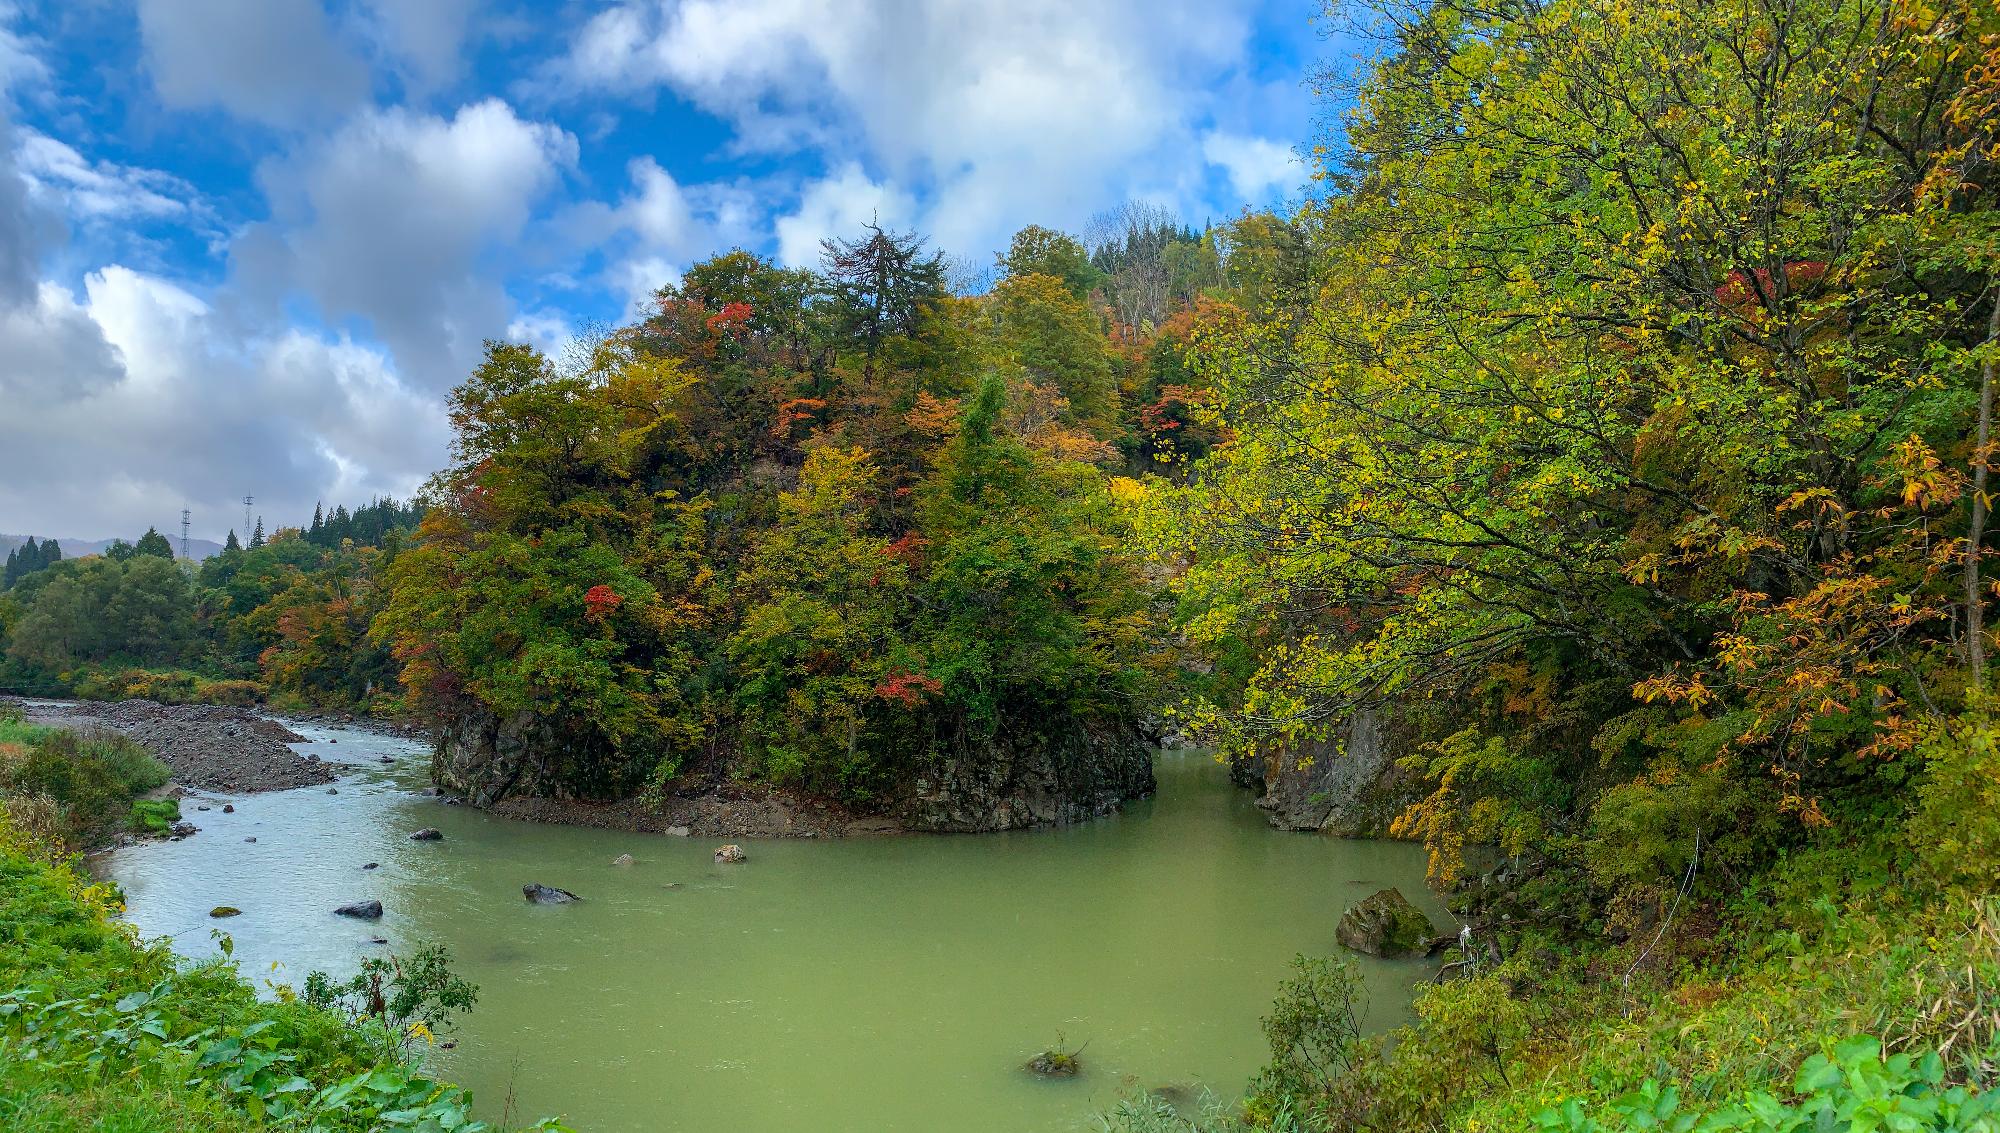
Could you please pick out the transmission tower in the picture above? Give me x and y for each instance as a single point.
(184, 533)
(247, 501)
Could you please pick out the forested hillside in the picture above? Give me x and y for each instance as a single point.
(1625, 458)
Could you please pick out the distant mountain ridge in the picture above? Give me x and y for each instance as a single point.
(198, 549)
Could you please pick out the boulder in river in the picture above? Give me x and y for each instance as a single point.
(729, 853)
(370, 865)
(1385, 924)
(1057, 1062)
(366, 910)
(227, 808)
(251, 838)
(679, 831)
(182, 829)
(622, 859)
(221, 911)
(547, 894)
(427, 834)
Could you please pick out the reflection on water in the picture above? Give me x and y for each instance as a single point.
(885, 985)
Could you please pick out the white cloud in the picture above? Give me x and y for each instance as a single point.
(546, 331)
(100, 190)
(838, 206)
(993, 115)
(425, 36)
(1258, 168)
(19, 66)
(147, 401)
(271, 61)
(399, 219)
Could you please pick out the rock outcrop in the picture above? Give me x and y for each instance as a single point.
(1385, 924)
(1350, 793)
(1058, 772)
(1043, 770)
(365, 910)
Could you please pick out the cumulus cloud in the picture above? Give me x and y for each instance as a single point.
(1043, 108)
(98, 190)
(271, 61)
(397, 219)
(838, 206)
(425, 37)
(146, 402)
(1258, 168)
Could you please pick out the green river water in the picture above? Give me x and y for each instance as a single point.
(887, 985)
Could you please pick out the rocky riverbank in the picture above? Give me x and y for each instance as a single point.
(1049, 773)
(207, 747)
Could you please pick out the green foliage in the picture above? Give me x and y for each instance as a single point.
(406, 998)
(1850, 1086)
(100, 1033)
(1314, 1032)
(91, 778)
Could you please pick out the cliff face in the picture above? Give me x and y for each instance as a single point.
(1063, 771)
(1354, 793)
(1049, 772)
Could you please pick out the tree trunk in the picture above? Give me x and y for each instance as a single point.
(1975, 613)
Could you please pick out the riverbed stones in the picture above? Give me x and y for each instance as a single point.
(547, 894)
(622, 859)
(364, 910)
(221, 911)
(729, 853)
(427, 834)
(1385, 924)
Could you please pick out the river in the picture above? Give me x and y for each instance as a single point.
(887, 985)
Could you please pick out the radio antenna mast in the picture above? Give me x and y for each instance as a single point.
(247, 501)
(184, 533)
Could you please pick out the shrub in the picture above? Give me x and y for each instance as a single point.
(91, 777)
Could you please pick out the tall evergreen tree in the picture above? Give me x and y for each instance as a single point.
(230, 544)
(257, 533)
(154, 543)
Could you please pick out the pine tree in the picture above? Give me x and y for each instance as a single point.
(9, 574)
(257, 533)
(230, 544)
(154, 543)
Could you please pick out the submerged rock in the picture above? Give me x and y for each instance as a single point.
(221, 911)
(1055, 1063)
(730, 853)
(622, 859)
(365, 910)
(1385, 924)
(427, 834)
(547, 894)
(370, 865)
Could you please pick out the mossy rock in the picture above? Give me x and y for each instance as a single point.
(225, 911)
(1385, 924)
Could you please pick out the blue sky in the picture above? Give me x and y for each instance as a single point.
(246, 246)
